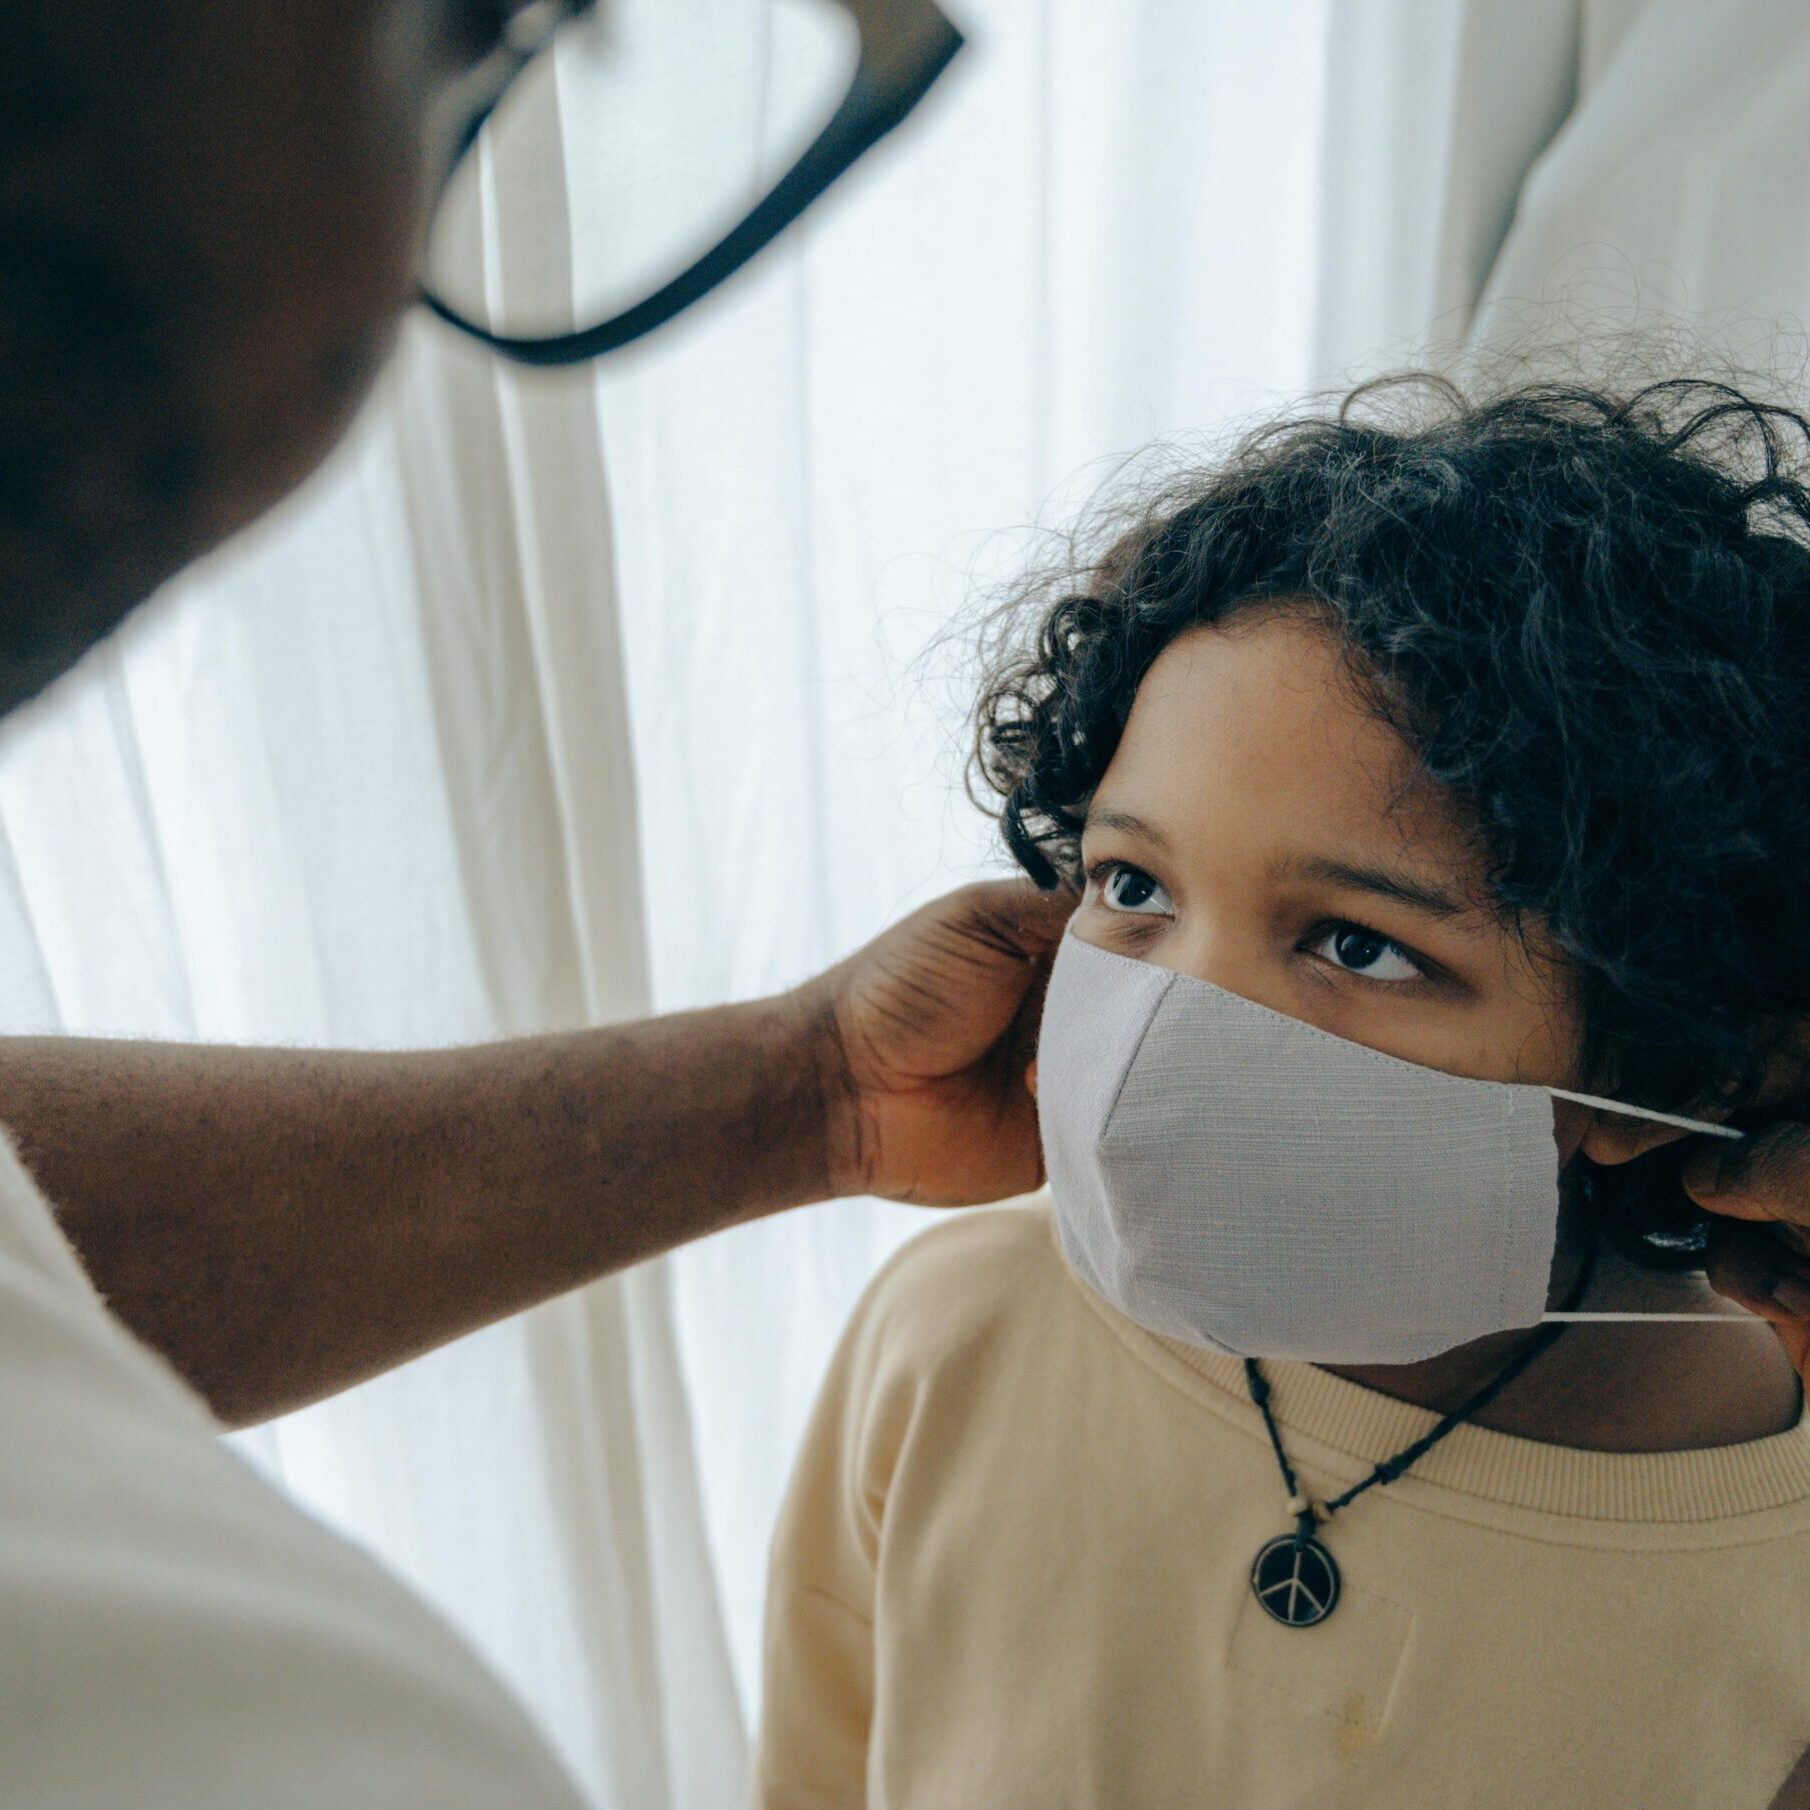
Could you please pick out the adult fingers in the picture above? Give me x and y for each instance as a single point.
(1013, 917)
(1751, 1266)
(1766, 1176)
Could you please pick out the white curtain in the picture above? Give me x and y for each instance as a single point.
(1601, 177)
(1093, 235)
(558, 700)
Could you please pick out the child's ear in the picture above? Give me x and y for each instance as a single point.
(1613, 1139)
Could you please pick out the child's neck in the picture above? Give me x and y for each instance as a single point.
(1667, 1387)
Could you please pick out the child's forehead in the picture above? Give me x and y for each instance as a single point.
(1251, 740)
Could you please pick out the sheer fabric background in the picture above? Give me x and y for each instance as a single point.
(551, 702)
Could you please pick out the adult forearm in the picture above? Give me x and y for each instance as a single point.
(281, 1224)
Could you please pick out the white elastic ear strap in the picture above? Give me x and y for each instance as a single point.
(1665, 1118)
(1740, 1317)
(1647, 1112)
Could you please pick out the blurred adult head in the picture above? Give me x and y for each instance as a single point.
(208, 221)
(211, 218)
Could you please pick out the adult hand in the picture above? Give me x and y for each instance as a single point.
(1760, 1247)
(925, 1037)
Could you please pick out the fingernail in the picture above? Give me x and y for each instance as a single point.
(1703, 1176)
(1794, 1296)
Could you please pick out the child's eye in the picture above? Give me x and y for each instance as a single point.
(1129, 890)
(1363, 952)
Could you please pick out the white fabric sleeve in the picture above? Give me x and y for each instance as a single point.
(176, 1635)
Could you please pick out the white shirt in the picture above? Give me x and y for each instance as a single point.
(173, 1634)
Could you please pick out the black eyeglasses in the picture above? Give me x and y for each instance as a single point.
(596, 109)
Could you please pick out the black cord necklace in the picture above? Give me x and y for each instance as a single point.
(1294, 1576)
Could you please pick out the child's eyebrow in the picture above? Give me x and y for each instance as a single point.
(1389, 883)
(1109, 819)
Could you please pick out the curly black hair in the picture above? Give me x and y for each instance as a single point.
(1587, 614)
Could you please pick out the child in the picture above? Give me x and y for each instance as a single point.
(1469, 747)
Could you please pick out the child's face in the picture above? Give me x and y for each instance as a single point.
(1264, 858)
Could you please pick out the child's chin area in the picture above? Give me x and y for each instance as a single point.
(1258, 827)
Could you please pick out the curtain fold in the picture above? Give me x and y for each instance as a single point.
(1597, 178)
(1435, 115)
(1673, 204)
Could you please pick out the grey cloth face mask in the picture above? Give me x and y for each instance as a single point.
(1238, 1179)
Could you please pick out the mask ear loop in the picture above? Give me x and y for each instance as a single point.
(1648, 1112)
(1663, 1118)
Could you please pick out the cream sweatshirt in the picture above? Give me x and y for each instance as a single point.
(1013, 1571)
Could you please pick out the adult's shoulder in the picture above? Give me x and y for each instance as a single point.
(176, 1632)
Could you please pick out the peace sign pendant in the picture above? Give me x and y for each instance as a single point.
(1295, 1579)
